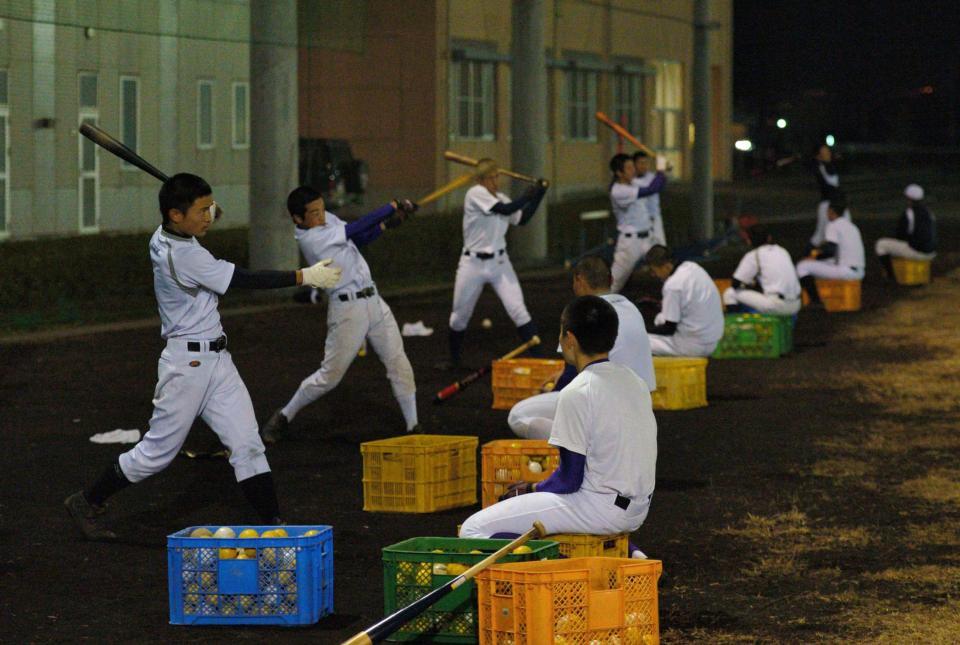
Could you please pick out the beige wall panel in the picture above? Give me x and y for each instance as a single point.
(580, 27)
(488, 20)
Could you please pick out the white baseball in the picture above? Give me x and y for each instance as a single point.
(534, 467)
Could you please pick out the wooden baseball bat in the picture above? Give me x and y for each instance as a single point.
(462, 180)
(623, 132)
(378, 632)
(456, 157)
(453, 388)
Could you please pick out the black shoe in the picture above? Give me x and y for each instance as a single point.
(274, 428)
(417, 429)
(84, 515)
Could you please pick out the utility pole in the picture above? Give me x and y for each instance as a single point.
(702, 195)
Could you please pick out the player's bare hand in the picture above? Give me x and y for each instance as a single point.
(516, 489)
(321, 275)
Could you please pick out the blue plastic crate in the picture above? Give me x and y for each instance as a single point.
(282, 581)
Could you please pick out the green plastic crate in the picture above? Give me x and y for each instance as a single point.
(410, 571)
(755, 336)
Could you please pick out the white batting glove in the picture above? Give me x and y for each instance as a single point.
(321, 276)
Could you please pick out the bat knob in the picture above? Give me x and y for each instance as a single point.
(534, 341)
(541, 531)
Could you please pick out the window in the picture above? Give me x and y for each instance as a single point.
(130, 116)
(628, 102)
(241, 115)
(668, 106)
(473, 84)
(4, 158)
(581, 105)
(205, 115)
(88, 189)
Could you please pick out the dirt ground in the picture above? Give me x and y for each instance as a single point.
(816, 499)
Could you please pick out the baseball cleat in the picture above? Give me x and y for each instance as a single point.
(275, 427)
(84, 515)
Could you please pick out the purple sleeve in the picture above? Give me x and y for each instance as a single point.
(569, 373)
(567, 477)
(368, 221)
(362, 238)
(655, 186)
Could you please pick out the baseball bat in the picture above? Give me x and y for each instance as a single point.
(462, 180)
(450, 155)
(623, 132)
(378, 632)
(453, 388)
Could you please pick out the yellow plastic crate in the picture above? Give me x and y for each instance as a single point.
(516, 379)
(419, 473)
(911, 271)
(722, 285)
(583, 546)
(681, 383)
(509, 460)
(576, 601)
(837, 295)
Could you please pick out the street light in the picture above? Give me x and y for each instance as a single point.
(743, 145)
(830, 140)
(781, 123)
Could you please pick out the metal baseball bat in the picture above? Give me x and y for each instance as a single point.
(462, 180)
(378, 632)
(453, 388)
(456, 157)
(623, 132)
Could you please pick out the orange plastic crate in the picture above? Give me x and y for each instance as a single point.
(681, 383)
(583, 546)
(576, 601)
(911, 272)
(722, 285)
(837, 295)
(419, 473)
(516, 379)
(508, 460)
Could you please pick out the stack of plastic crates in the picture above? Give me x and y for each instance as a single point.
(506, 461)
(415, 567)
(755, 336)
(251, 581)
(681, 383)
(516, 379)
(577, 601)
(419, 473)
(837, 295)
(582, 546)
(911, 272)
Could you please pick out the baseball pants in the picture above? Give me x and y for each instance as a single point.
(820, 233)
(582, 512)
(472, 274)
(680, 345)
(532, 418)
(827, 269)
(628, 252)
(348, 323)
(900, 249)
(761, 302)
(190, 385)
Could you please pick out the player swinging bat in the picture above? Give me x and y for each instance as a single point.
(450, 155)
(453, 388)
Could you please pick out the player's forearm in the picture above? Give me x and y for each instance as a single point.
(368, 221)
(266, 279)
(826, 250)
(568, 476)
(531, 207)
(362, 238)
(666, 329)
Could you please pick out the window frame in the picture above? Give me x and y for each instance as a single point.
(5, 173)
(240, 145)
(488, 104)
(579, 113)
(88, 114)
(125, 165)
(201, 82)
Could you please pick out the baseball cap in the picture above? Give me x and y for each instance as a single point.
(914, 192)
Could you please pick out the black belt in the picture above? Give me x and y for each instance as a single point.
(363, 293)
(207, 345)
(639, 235)
(483, 256)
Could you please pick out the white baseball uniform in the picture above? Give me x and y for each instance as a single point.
(848, 262)
(916, 240)
(355, 312)
(770, 267)
(828, 180)
(605, 414)
(484, 259)
(193, 377)
(652, 203)
(634, 226)
(691, 300)
(532, 418)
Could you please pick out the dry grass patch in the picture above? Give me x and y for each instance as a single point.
(940, 485)
(703, 635)
(942, 577)
(939, 533)
(838, 468)
(889, 622)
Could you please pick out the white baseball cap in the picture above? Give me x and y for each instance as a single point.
(914, 192)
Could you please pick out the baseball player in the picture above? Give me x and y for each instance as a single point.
(487, 213)
(840, 257)
(627, 200)
(607, 437)
(356, 312)
(196, 375)
(828, 181)
(533, 417)
(765, 280)
(644, 178)
(916, 236)
(690, 322)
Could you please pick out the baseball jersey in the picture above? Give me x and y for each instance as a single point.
(188, 281)
(330, 241)
(606, 414)
(483, 230)
(772, 268)
(651, 202)
(691, 299)
(845, 234)
(632, 347)
(629, 209)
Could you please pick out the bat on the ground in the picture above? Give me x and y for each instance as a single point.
(381, 630)
(453, 388)
(623, 132)
(460, 181)
(450, 155)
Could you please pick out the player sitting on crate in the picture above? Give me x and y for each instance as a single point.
(765, 280)
(916, 236)
(532, 418)
(607, 437)
(841, 255)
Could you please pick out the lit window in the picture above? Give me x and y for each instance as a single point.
(474, 90)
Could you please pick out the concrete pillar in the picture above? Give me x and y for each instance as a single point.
(702, 188)
(274, 130)
(44, 206)
(169, 90)
(529, 117)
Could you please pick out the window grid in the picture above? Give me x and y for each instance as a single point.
(581, 105)
(130, 116)
(474, 99)
(240, 133)
(668, 106)
(205, 138)
(4, 167)
(628, 102)
(88, 187)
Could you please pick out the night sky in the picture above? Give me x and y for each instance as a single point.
(878, 71)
